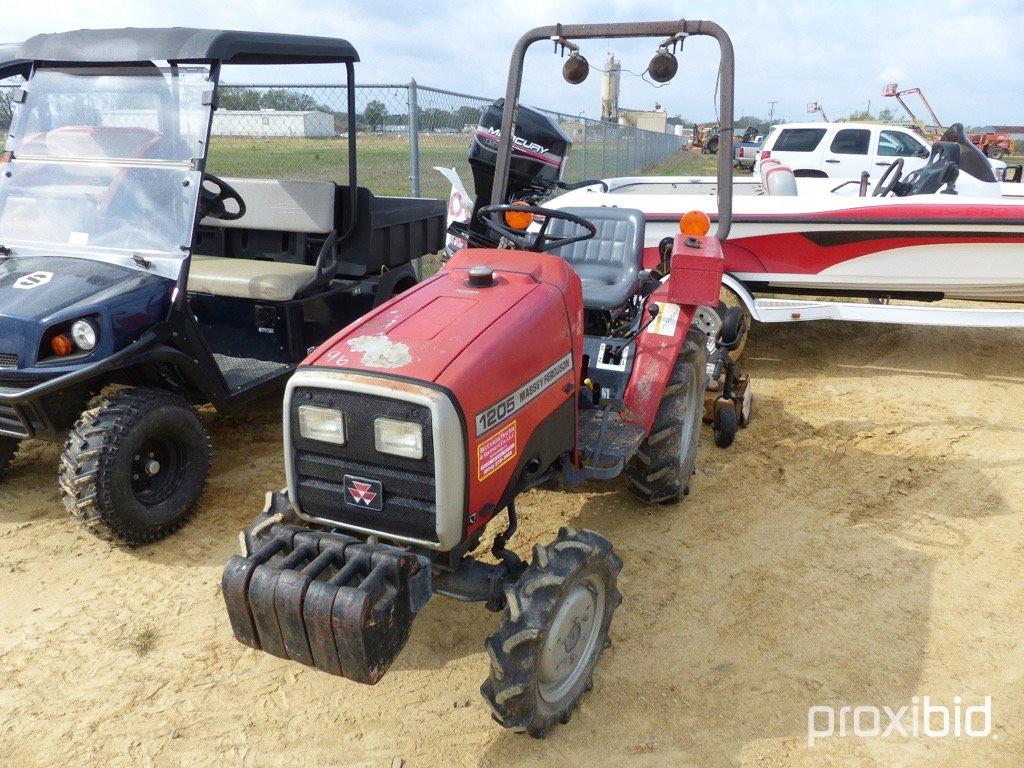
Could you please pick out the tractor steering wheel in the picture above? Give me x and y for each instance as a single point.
(540, 241)
(211, 201)
(882, 189)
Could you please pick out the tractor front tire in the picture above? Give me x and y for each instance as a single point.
(135, 466)
(660, 471)
(553, 632)
(8, 447)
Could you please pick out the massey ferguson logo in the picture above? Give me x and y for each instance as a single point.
(33, 280)
(361, 492)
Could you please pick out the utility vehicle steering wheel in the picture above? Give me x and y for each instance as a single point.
(211, 201)
(540, 241)
(882, 189)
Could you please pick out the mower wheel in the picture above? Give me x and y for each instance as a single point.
(660, 471)
(725, 426)
(135, 465)
(728, 298)
(553, 632)
(8, 447)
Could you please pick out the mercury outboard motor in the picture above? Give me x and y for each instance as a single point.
(539, 152)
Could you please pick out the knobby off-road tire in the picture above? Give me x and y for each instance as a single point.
(553, 632)
(135, 466)
(8, 447)
(660, 471)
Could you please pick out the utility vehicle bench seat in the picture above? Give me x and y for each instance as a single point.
(272, 205)
(248, 278)
(276, 205)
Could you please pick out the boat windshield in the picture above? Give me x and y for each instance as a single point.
(103, 160)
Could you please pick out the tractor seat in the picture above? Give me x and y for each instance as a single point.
(609, 263)
(248, 278)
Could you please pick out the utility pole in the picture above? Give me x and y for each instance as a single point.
(771, 110)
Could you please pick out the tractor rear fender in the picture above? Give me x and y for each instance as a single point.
(695, 279)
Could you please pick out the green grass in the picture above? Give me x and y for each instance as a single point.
(383, 161)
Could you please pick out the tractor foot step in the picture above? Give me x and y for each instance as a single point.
(334, 602)
(607, 443)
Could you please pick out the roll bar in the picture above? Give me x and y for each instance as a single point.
(653, 29)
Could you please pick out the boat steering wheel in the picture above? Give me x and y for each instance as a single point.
(886, 185)
(540, 241)
(211, 200)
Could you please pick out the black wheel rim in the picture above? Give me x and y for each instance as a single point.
(158, 467)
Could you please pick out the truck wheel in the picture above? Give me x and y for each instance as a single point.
(134, 467)
(725, 426)
(8, 447)
(660, 471)
(553, 632)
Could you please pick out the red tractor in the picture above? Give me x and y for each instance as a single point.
(550, 360)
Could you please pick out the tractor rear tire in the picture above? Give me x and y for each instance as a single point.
(660, 471)
(996, 153)
(135, 466)
(8, 447)
(553, 632)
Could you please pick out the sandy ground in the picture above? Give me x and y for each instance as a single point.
(860, 544)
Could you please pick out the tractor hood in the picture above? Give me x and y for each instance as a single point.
(423, 331)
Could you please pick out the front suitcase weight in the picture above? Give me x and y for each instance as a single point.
(318, 598)
(371, 622)
(235, 585)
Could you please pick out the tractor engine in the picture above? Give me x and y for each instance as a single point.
(414, 424)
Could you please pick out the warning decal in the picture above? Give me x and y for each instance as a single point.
(667, 320)
(495, 452)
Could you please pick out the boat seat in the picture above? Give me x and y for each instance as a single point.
(942, 170)
(609, 263)
(777, 180)
(278, 205)
(972, 160)
(248, 278)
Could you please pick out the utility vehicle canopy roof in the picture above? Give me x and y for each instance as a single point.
(130, 45)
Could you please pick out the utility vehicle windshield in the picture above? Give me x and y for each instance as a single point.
(103, 160)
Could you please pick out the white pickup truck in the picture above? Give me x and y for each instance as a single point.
(846, 150)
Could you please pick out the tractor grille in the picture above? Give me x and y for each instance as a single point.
(8, 361)
(409, 489)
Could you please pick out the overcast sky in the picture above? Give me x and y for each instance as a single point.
(966, 54)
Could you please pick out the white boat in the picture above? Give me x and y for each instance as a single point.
(954, 232)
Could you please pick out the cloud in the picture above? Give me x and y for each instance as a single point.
(965, 55)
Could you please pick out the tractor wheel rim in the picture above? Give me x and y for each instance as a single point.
(572, 640)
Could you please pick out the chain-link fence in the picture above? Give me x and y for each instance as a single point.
(300, 132)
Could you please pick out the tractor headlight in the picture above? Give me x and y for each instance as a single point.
(399, 438)
(324, 424)
(84, 334)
